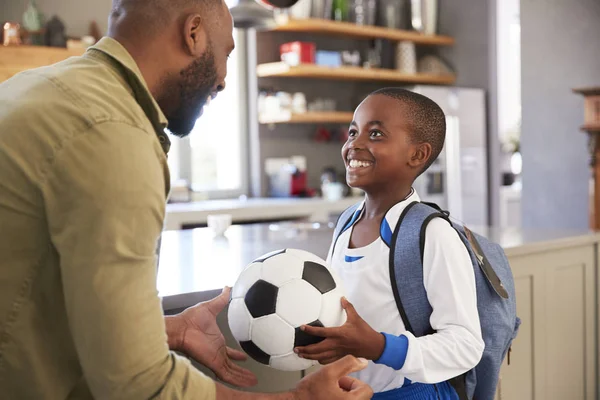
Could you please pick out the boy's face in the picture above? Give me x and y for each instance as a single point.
(379, 154)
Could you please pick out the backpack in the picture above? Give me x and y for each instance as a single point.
(496, 303)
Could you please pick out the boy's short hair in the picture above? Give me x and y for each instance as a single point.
(426, 117)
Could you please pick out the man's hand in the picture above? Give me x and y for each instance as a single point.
(355, 337)
(203, 341)
(332, 383)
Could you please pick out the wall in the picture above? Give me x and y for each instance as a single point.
(558, 53)
(76, 14)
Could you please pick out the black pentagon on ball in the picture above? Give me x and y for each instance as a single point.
(255, 352)
(302, 338)
(269, 255)
(261, 298)
(319, 276)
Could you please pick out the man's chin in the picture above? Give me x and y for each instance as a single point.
(179, 132)
(181, 128)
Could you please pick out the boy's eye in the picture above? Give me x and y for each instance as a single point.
(376, 134)
(352, 133)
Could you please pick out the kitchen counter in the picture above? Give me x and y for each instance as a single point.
(255, 209)
(557, 283)
(194, 265)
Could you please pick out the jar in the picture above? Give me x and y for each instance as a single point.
(12, 34)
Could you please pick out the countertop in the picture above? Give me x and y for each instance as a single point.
(255, 209)
(194, 265)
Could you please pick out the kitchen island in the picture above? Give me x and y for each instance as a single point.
(556, 277)
(195, 213)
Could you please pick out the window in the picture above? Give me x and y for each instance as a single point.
(211, 159)
(509, 71)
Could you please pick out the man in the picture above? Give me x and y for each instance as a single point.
(83, 180)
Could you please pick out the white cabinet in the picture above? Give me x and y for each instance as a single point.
(554, 355)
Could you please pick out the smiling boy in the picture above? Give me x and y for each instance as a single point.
(395, 136)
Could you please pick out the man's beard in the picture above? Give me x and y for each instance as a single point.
(186, 94)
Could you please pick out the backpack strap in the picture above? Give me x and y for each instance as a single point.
(406, 273)
(346, 219)
(406, 267)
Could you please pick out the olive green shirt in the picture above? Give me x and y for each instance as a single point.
(83, 183)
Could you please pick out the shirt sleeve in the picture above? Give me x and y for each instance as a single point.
(457, 345)
(105, 199)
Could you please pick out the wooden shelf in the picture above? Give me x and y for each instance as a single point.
(323, 26)
(591, 128)
(311, 117)
(14, 59)
(588, 91)
(280, 69)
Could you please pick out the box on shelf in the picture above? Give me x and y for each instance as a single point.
(295, 53)
(328, 58)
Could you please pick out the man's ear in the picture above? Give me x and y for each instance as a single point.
(420, 155)
(195, 38)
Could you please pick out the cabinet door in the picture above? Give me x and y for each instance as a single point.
(554, 355)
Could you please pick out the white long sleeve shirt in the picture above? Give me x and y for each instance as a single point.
(448, 277)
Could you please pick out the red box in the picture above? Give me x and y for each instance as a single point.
(294, 53)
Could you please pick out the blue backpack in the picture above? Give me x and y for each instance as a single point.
(495, 287)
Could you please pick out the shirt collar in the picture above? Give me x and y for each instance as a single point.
(390, 220)
(110, 47)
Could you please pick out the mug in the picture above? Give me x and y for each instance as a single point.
(219, 223)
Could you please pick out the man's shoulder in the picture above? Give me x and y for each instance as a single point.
(45, 109)
(78, 92)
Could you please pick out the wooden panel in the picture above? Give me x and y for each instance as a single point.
(330, 117)
(347, 29)
(14, 59)
(280, 69)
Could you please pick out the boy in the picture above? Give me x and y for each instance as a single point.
(395, 136)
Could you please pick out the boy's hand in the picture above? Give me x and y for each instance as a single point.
(355, 337)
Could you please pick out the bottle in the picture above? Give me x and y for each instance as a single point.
(340, 10)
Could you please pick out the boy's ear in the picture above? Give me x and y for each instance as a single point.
(420, 156)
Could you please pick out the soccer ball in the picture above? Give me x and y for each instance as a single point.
(274, 296)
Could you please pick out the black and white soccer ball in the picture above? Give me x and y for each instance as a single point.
(274, 296)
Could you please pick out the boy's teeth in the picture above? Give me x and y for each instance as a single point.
(358, 164)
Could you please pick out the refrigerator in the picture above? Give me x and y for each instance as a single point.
(458, 180)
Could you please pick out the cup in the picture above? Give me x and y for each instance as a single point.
(219, 223)
(333, 191)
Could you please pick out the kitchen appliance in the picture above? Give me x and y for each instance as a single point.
(458, 180)
(257, 14)
(287, 177)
